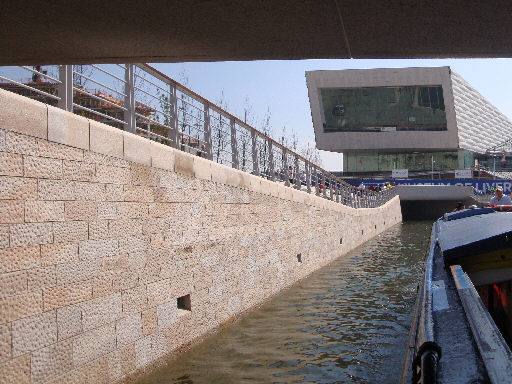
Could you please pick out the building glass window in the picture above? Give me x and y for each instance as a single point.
(384, 109)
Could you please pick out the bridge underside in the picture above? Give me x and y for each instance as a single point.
(64, 32)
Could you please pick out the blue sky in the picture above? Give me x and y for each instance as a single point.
(281, 86)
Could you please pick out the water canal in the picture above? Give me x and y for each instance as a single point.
(346, 323)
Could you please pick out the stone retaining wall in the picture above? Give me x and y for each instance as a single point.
(115, 251)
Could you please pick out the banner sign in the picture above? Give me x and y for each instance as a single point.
(400, 173)
(463, 173)
(481, 186)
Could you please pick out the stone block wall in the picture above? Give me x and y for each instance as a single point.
(116, 251)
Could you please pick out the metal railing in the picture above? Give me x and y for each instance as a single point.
(139, 99)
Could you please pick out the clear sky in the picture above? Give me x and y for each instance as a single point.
(280, 86)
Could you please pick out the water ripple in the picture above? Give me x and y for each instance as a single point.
(347, 323)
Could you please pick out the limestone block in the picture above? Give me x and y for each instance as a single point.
(81, 210)
(67, 128)
(39, 278)
(77, 170)
(98, 230)
(16, 143)
(167, 314)
(149, 321)
(5, 342)
(58, 151)
(129, 210)
(23, 115)
(11, 164)
(162, 156)
(34, 332)
(106, 140)
(2, 140)
(98, 158)
(114, 175)
(19, 306)
(13, 283)
(37, 211)
(184, 163)
(284, 192)
(162, 210)
(106, 369)
(274, 188)
(90, 191)
(143, 175)
(137, 149)
(121, 228)
(114, 192)
(71, 231)
(220, 173)
(133, 244)
(14, 259)
(158, 225)
(76, 272)
(128, 329)
(134, 299)
(138, 193)
(255, 184)
(202, 168)
(17, 188)
(127, 357)
(16, 371)
(42, 167)
(61, 296)
(158, 345)
(100, 311)
(52, 361)
(107, 211)
(69, 321)
(95, 249)
(28, 234)
(12, 211)
(93, 344)
(143, 352)
(56, 189)
(159, 292)
(76, 376)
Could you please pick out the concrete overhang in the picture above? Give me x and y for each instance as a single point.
(69, 32)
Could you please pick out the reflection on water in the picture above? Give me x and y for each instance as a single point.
(348, 322)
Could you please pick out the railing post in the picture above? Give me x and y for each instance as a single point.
(324, 187)
(129, 100)
(234, 148)
(331, 189)
(308, 177)
(317, 182)
(173, 109)
(65, 88)
(271, 160)
(207, 132)
(338, 187)
(255, 164)
(285, 165)
(297, 175)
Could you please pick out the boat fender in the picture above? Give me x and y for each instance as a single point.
(426, 360)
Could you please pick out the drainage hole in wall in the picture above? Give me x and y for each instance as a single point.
(341, 240)
(362, 231)
(375, 226)
(184, 305)
(299, 257)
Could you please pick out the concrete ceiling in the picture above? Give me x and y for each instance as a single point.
(67, 32)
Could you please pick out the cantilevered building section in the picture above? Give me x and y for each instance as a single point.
(384, 119)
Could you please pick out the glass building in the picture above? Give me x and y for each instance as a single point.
(406, 118)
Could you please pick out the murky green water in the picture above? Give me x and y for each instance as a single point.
(348, 322)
